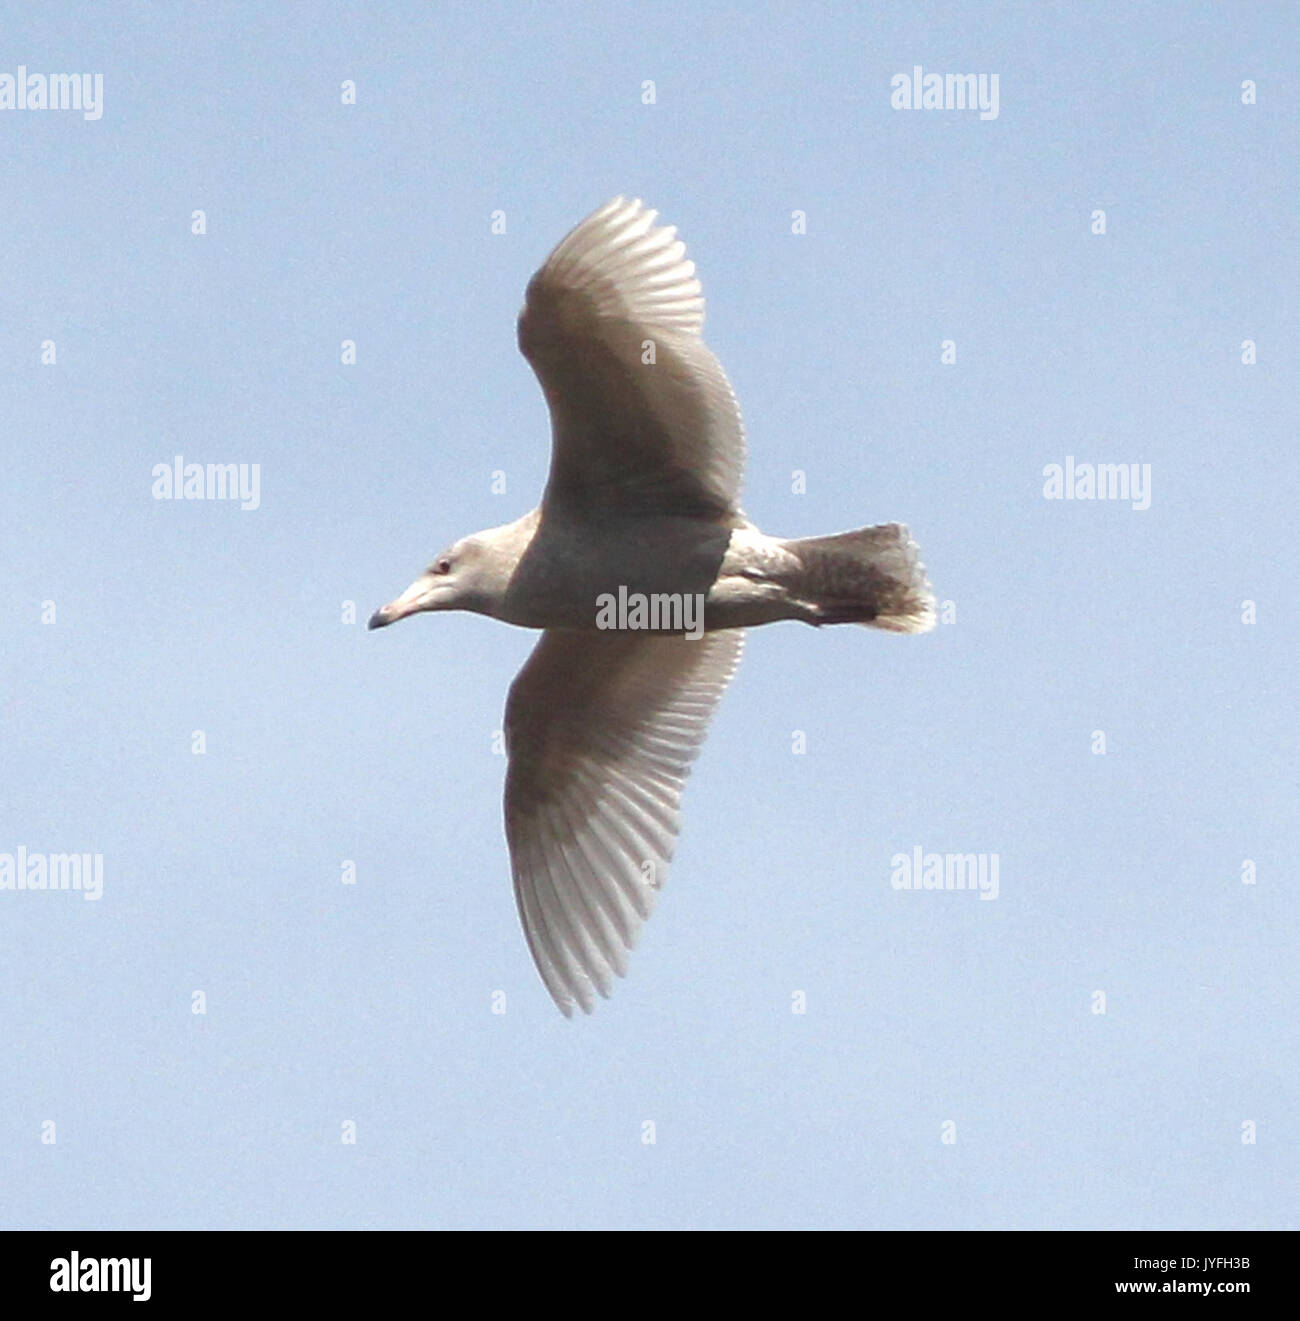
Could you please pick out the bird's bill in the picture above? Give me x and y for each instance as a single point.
(420, 595)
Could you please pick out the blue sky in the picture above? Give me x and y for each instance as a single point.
(928, 1013)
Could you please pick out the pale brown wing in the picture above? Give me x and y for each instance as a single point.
(643, 418)
(601, 729)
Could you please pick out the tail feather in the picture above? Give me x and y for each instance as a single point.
(872, 576)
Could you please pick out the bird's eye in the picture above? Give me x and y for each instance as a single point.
(442, 566)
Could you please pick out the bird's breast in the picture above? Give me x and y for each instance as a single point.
(571, 572)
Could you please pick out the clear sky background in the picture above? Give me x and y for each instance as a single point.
(372, 1002)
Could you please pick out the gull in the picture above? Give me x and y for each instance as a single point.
(642, 573)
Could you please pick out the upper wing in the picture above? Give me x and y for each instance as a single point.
(643, 417)
(601, 729)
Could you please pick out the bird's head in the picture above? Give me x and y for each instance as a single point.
(451, 582)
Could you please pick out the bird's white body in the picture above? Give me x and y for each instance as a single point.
(558, 571)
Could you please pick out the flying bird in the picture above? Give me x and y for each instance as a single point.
(642, 573)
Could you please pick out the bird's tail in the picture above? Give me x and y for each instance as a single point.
(872, 576)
